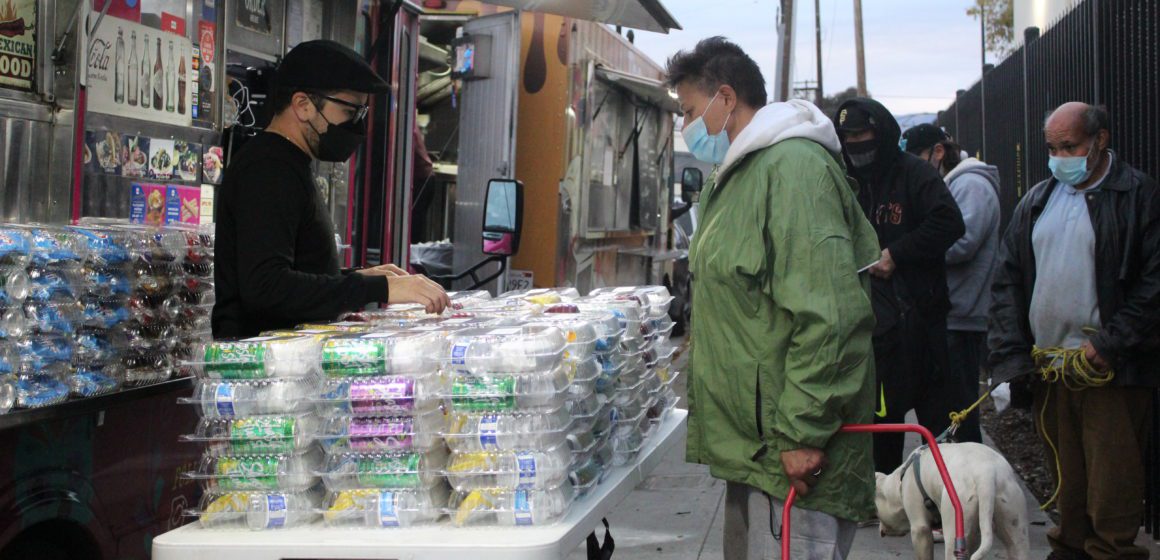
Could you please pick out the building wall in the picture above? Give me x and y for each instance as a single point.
(1038, 13)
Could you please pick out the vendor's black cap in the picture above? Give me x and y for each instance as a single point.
(326, 66)
(855, 119)
(921, 138)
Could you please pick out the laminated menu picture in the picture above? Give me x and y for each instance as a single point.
(135, 156)
(182, 204)
(212, 164)
(103, 151)
(162, 159)
(188, 156)
(147, 204)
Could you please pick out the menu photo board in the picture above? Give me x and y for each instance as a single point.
(139, 72)
(18, 44)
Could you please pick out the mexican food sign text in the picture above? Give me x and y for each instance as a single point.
(17, 43)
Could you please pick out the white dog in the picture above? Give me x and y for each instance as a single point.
(992, 500)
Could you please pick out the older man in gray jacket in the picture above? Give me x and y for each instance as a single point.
(971, 261)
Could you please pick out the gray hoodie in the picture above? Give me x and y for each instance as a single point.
(971, 261)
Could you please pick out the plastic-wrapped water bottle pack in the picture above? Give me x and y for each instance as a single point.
(261, 467)
(502, 412)
(83, 313)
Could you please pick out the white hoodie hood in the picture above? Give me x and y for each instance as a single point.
(777, 122)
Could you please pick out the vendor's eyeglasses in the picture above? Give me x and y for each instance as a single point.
(360, 111)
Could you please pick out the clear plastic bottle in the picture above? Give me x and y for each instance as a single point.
(513, 470)
(385, 508)
(257, 510)
(509, 392)
(7, 393)
(260, 358)
(506, 349)
(516, 508)
(283, 472)
(232, 399)
(496, 431)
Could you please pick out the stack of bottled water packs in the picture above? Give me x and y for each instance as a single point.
(501, 412)
(261, 464)
(75, 310)
(508, 427)
(643, 390)
(381, 407)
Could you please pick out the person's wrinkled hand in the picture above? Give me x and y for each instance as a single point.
(885, 267)
(388, 270)
(419, 289)
(1094, 358)
(804, 468)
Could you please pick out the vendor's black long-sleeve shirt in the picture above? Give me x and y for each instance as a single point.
(277, 265)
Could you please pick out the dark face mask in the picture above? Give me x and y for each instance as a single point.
(862, 154)
(339, 141)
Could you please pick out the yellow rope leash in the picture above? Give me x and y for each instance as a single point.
(1068, 366)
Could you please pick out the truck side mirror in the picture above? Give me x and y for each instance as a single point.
(691, 182)
(503, 217)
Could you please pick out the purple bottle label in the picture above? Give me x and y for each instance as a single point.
(396, 394)
(381, 433)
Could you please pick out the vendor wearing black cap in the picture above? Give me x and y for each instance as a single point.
(277, 263)
(917, 220)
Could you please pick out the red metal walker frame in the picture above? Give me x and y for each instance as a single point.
(960, 534)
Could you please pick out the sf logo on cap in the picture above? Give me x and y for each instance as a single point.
(842, 117)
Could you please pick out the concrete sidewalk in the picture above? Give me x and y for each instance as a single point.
(677, 514)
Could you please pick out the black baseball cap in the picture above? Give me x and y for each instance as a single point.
(921, 138)
(327, 65)
(855, 119)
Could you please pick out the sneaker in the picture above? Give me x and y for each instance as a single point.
(937, 534)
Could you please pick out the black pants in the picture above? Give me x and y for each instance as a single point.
(912, 372)
(966, 350)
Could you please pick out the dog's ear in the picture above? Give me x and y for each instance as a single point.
(879, 478)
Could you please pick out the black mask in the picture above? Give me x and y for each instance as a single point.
(862, 154)
(339, 141)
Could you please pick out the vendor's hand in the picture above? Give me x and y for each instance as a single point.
(1094, 358)
(885, 267)
(418, 289)
(804, 467)
(388, 270)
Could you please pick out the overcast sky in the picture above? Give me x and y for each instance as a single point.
(918, 52)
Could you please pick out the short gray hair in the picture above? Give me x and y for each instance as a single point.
(1095, 119)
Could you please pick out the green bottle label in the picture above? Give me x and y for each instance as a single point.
(236, 360)
(263, 435)
(353, 357)
(473, 393)
(247, 473)
(401, 471)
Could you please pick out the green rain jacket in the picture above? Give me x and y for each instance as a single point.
(781, 353)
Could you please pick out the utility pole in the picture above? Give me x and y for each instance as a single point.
(860, 48)
(818, 40)
(983, 77)
(786, 63)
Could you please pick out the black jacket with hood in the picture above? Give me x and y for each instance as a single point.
(916, 218)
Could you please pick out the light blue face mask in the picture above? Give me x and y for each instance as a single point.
(709, 148)
(1071, 170)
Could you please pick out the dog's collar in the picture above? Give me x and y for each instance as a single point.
(915, 460)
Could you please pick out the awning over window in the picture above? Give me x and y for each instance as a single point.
(650, 90)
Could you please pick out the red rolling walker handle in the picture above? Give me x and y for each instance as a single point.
(960, 534)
